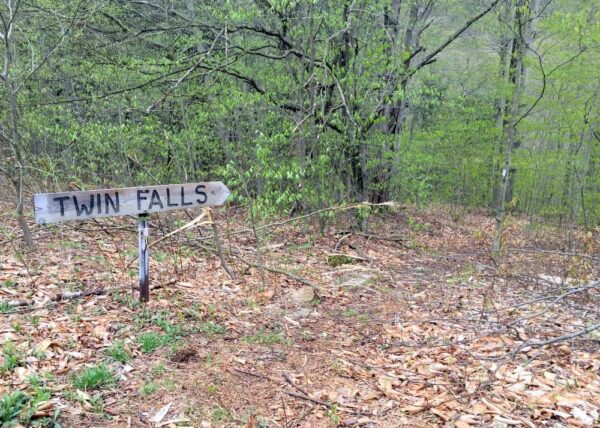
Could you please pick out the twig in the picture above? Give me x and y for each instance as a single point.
(561, 253)
(394, 238)
(194, 223)
(289, 380)
(28, 305)
(339, 406)
(563, 338)
(339, 242)
(67, 295)
(258, 375)
(282, 272)
(307, 398)
(556, 300)
(301, 217)
(230, 412)
(215, 231)
(303, 416)
(62, 296)
(142, 167)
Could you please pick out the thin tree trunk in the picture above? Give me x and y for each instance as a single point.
(18, 164)
(525, 15)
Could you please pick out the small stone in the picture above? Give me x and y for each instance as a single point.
(564, 349)
(304, 295)
(301, 313)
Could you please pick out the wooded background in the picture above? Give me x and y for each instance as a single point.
(299, 105)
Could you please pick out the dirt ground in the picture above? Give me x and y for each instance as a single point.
(406, 324)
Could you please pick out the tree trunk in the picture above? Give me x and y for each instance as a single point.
(15, 143)
(525, 16)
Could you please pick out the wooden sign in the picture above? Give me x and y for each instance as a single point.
(65, 206)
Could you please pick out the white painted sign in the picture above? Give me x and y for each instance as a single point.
(65, 206)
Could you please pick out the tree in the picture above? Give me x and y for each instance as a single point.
(521, 20)
(14, 76)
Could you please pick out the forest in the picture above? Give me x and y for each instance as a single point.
(412, 236)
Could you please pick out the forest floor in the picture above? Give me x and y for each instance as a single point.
(415, 328)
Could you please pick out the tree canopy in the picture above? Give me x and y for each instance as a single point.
(301, 104)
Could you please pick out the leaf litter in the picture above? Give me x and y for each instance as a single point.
(418, 332)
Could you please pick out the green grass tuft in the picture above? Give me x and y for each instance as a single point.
(149, 342)
(94, 377)
(148, 389)
(11, 407)
(12, 357)
(266, 338)
(117, 352)
(210, 328)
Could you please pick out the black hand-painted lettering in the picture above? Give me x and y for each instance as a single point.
(99, 203)
(155, 199)
(109, 200)
(84, 209)
(61, 200)
(183, 202)
(169, 204)
(203, 196)
(141, 198)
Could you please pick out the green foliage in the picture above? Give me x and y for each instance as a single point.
(173, 331)
(94, 377)
(148, 388)
(335, 260)
(12, 357)
(211, 328)
(9, 283)
(11, 407)
(118, 352)
(219, 414)
(334, 414)
(151, 341)
(263, 337)
(5, 307)
(18, 408)
(158, 369)
(301, 121)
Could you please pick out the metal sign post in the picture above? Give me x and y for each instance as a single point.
(143, 255)
(141, 201)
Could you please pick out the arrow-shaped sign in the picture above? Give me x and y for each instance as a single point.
(65, 206)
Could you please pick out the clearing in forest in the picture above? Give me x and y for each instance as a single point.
(405, 324)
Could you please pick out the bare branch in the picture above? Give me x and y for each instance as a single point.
(429, 58)
(186, 74)
(52, 49)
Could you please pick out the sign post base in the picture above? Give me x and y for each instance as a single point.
(143, 257)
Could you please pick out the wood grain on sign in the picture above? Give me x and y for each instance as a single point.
(65, 206)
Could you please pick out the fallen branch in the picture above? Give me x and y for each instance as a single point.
(304, 216)
(393, 238)
(29, 305)
(330, 406)
(281, 272)
(560, 253)
(339, 242)
(194, 223)
(62, 296)
(258, 375)
(557, 299)
(563, 338)
(67, 295)
(289, 380)
(307, 398)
